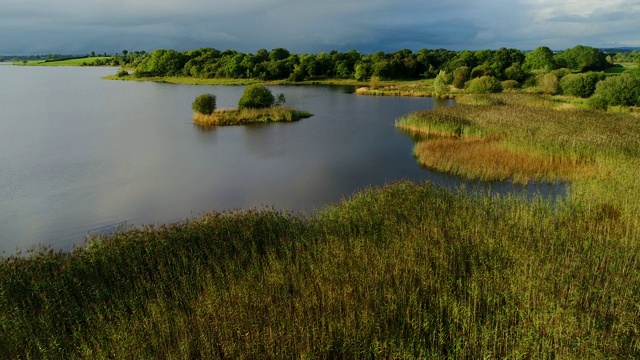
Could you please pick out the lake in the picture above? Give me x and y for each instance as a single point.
(82, 155)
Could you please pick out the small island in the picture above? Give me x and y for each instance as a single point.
(257, 105)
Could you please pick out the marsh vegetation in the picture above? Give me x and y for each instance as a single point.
(256, 105)
(401, 271)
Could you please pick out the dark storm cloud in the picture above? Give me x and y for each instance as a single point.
(72, 26)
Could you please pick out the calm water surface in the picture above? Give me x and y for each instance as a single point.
(82, 155)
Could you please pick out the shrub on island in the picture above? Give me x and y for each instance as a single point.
(484, 85)
(256, 97)
(257, 105)
(204, 104)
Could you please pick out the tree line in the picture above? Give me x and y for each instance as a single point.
(575, 71)
(280, 64)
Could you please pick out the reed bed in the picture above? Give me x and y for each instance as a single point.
(404, 271)
(461, 156)
(534, 129)
(249, 116)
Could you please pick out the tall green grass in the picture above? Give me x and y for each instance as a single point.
(541, 137)
(404, 271)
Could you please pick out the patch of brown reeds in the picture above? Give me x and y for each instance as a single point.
(223, 117)
(485, 159)
(531, 138)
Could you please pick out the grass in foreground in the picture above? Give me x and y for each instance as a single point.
(404, 271)
(249, 116)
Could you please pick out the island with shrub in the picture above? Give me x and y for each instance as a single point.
(257, 105)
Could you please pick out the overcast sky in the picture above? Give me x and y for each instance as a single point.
(311, 26)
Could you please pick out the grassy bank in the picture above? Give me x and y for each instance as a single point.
(405, 271)
(230, 81)
(420, 88)
(249, 116)
(68, 62)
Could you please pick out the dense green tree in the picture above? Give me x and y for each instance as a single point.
(623, 89)
(584, 58)
(441, 86)
(362, 72)
(383, 69)
(485, 85)
(482, 70)
(514, 72)
(539, 59)
(256, 97)
(162, 63)
(460, 76)
(548, 83)
(582, 85)
(278, 54)
(204, 104)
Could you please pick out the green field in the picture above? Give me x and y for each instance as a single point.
(617, 70)
(69, 62)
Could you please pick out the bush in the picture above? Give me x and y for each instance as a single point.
(460, 76)
(256, 97)
(597, 102)
(619, 90)
(204, 104)
(510, 84)
(582, 85)
(481, 70)
(440, 86)
(562, 72)
(548, 83)
(484, 85)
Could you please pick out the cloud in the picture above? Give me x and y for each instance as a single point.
(42, 26)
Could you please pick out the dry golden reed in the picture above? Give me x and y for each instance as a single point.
(532, 137)
(484, 159)
(249, 116)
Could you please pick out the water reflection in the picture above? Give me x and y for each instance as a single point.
(74, 161)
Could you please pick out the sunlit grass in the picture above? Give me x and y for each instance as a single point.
(407, 270)
(403, 271)
(485, 159)
(421, 88)
(249, 116)
(524, 137)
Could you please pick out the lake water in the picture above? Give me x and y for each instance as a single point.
(82, 155)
